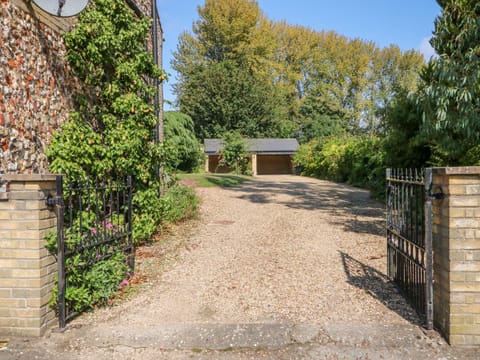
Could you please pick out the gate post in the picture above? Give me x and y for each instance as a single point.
(456, 245)
(27, 271)
(428, 249)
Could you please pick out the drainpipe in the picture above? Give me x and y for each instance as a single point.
(157, 49)
(135, 8)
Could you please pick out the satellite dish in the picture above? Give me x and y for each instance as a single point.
(63, 8)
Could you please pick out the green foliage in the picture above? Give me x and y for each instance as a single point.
(95, 285)
(148, 216)
(332, 157)
(184, 148)
(322, 118)
(234, 153)
(406, 144)
(356, 160)
(225, 81)
(179, 203)
(240, 71)
(450, 93)
(471, 157)
(90, 284)
(307, 158)
(224, 97)
(363, 164)
(111, 132)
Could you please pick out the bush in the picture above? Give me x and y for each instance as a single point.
(472, 157)
(179, 203)
(358, 161)
(147, 214)
(307, 158)
(89, 284)
(234, 154)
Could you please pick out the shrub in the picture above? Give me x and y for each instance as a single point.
(179, 203)
(307, 158)
(147, 215)
(356, 160)
(234, 153)
(89, 284)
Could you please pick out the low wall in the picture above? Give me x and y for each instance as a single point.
(27, 271)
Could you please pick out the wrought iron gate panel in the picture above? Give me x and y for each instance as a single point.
(97, 216)
(409, 236)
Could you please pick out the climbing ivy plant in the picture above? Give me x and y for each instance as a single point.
(112, 129)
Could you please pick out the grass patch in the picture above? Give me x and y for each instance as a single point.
(208, 180)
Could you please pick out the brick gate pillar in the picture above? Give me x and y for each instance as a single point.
(27, 271)
(456, 246)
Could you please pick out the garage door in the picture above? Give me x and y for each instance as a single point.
(214, 167)
(274, 164)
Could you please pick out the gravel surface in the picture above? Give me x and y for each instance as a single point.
(281, 267)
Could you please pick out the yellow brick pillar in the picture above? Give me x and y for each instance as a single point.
(456, 245)
(27, 271)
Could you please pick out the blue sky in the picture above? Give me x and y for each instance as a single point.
(406, 23)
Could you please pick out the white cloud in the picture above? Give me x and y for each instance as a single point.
(426, 49)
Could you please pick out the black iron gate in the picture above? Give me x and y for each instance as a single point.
(409, 236)
(94, 223)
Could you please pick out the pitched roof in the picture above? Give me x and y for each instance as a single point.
(259, 146)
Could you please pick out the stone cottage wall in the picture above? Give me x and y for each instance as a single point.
(36, 85)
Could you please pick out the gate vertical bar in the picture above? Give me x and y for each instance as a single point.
(428, 250)
(131, 245)
(389, 205)
(62, 285)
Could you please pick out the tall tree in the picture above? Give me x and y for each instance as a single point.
(240, 71)
(405, 143)
(223, 83)
(394, 74)
(451, 81)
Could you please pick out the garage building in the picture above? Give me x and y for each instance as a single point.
(268, 156)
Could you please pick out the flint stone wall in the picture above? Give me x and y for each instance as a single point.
(35, 87)
(36, 84)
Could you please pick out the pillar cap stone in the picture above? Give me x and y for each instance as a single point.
(457, 170)
(29, 177)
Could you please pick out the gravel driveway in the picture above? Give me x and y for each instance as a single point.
(281, 267)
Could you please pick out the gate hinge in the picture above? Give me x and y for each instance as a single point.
(54, 200)
(437, 195)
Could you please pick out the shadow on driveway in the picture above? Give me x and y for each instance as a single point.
(379, 286)
(364, 214)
